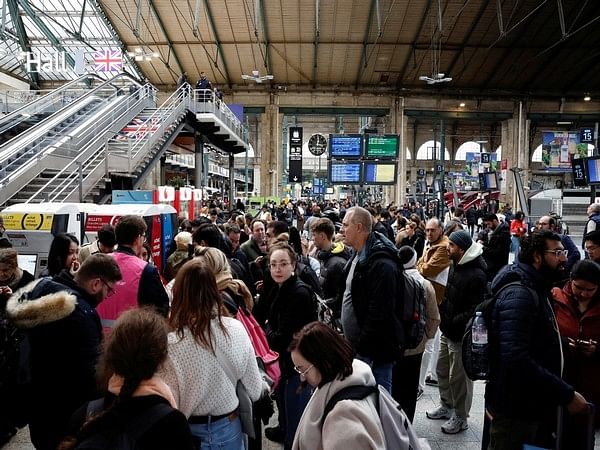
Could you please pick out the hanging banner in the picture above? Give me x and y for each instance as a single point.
(185, 193)
(295, 159)
(559, 148)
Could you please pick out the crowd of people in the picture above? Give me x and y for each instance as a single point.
(104, 345)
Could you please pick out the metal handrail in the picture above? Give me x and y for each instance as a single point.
(206, 101)
(105, 84)
(43, 148)
(98, 156)
(48, 96)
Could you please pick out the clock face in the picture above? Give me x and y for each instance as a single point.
(317, 144)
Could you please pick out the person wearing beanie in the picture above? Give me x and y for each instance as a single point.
(464, 291)
(577, 307)
(406, 389)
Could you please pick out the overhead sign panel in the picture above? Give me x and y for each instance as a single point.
(383, 146)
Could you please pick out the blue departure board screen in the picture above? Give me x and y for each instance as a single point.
(345, 146)
(344, 173)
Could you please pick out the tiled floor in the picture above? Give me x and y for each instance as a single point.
(469, 439)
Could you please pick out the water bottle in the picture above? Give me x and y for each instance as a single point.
(479, 346)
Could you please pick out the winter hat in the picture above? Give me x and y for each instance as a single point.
(183, 239)
(462, 239)
(408, 256)
(586, 270)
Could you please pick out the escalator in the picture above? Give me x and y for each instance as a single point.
(142, 137)
(56, 141)
(33, 112)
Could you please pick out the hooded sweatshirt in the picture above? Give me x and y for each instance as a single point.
(351, 424)
(465, 290)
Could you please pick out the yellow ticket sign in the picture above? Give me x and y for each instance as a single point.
(27, 221)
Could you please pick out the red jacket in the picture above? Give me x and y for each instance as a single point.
(580, 371)
(517, 228)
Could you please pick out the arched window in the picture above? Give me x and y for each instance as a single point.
(468, 147)
(537, 154)
(426, 151)
(408, 154)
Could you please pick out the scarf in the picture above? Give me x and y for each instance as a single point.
(225, 282)
(152, 386)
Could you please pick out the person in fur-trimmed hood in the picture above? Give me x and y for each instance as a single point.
(64, 334)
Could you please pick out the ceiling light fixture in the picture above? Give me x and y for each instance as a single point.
(437, 78)
(563, 123)
(257, 77)
(462, 104)
(143, 54)
(587, 98)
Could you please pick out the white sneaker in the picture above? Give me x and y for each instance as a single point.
(441, 412)
(455, 425)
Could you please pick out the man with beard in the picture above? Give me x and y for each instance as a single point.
(525, 384)
(64, 333)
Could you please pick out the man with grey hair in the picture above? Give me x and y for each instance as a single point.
(373, 285)
(593, 222)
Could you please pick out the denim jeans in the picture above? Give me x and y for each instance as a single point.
(222, 434)
(381, 371)
(293, 405)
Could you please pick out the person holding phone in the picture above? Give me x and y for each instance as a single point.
(577, 307)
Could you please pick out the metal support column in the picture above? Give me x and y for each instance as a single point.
(199, 165)
(231, 183)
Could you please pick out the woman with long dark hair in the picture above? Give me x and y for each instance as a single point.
(63, 254)
(139, 402)
(208, 355)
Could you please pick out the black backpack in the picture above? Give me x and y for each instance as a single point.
(125, 438)
(307, 275)
(486, 308)
(410, 312)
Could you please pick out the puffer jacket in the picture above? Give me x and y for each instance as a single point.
(525, 352)
(496, 250)
(583, 372)
(376, 286)
(64, 333)
(465, 290)
(333, 262)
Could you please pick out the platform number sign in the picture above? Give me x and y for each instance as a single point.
(420, 172)
(578, 166)
(587, 136)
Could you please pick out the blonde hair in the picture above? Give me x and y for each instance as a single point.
(218, 263)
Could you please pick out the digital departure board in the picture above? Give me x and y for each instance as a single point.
(379, 173)
(382, 146)
(345, 146)
(579, 172)
(593, 170)
(344, 173)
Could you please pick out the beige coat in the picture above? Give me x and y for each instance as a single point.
(434, 265)
(351, 424)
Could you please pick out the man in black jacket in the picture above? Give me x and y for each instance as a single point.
(333, 259)
(372, 288)
(465, 290)
(497, 247)
(525, 385)
(64, 334)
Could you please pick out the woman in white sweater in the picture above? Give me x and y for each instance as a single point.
(208, 354)
(324, 360)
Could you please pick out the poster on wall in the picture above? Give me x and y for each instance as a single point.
(475, 165)
(559, 148)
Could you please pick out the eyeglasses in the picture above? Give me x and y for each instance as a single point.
(111, 290)
(558, 252)
(301, 372)
(276, 266)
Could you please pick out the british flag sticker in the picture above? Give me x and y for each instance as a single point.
(108, 60)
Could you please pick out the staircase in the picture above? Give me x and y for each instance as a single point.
(132, 151)
(574, 211)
